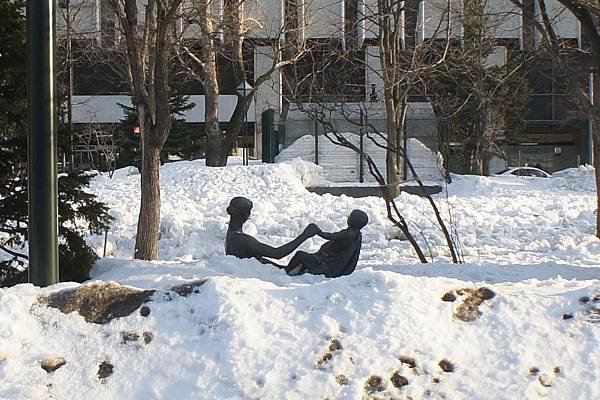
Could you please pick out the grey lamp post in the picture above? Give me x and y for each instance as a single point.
(243, 90)
(66, 5)
(42, 177)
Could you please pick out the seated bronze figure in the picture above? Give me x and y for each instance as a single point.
(336, 257)
(242, 245)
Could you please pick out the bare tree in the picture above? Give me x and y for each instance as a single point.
(149, 46)
(477, 93)
(332, 82)
(565, 53)
(223, 35)
(321, 112)
(404, 58)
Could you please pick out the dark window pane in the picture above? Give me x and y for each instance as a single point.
(540, 108)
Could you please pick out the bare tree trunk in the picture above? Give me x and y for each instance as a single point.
(216, 151)
(146, 244)
(395, 138)
(220, 144)
(391, 167)
(216, 155)
(148, 55)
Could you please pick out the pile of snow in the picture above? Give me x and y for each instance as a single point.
(253, 332)
(581, 179)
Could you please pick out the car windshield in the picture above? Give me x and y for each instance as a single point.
(503, 171)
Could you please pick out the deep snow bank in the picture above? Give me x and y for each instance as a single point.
(252, 332)
(499, 220)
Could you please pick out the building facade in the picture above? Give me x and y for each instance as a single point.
(555, 137)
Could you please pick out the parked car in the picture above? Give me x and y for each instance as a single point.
(524, 171)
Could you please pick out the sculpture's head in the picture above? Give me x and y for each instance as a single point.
(357, 219)
(239, 208)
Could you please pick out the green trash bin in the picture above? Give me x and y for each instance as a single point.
(270, 142)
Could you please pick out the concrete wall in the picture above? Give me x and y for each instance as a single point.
(341, 164)
(433, 19)
(264, 17)
(106, 109)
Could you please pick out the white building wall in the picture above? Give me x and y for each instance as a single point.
(439, 18)
(267, 94)
(85, 18)
(367, 12)
(323, 18)
(565, 24)
(106, 109)
(263, 18)
(506, 19)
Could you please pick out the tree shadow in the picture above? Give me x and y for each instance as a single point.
(494, 273)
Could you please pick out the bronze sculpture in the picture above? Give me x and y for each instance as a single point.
(336, 257)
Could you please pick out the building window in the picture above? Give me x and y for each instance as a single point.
(327, 73)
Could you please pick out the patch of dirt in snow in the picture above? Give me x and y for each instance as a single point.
(335, 347)
(591, 308)
(468, 310)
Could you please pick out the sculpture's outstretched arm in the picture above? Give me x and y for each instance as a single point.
(264, 250)
(341, 235)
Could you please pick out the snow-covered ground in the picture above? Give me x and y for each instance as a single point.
(252, 332)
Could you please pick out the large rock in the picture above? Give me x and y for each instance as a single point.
(100, 303)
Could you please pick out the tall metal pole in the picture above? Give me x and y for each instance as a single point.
(70, 96)
(245, 148)
(41, 96)
(316, 143)
(361, 173)
(590, 139)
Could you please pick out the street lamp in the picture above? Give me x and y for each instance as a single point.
(243, 90)
(66, 5)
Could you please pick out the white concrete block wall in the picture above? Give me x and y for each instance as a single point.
(427, 164)
(342, 164)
